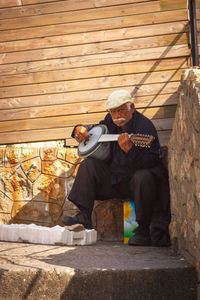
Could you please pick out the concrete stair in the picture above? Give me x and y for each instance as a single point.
(106, 270)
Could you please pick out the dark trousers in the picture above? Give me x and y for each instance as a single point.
(93, 182)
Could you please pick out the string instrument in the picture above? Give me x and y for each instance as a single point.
(98, 143)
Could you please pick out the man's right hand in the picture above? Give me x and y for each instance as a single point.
(81, 134)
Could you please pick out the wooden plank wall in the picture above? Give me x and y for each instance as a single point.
(59, 61)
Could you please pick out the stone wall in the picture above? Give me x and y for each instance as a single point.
(35, 183)
(184, 169)
(34, 186)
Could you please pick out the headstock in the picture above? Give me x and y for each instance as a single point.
(142, 140)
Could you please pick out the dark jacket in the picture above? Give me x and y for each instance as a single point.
(123, 165)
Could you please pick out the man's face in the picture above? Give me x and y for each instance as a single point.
(122, 114)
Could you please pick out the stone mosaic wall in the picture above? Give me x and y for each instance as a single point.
(35, 183)
(184, 169)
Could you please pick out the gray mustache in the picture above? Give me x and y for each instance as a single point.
(120, 119)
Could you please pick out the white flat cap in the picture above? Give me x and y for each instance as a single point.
(118, 98)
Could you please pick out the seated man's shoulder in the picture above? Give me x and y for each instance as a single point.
(144, 120)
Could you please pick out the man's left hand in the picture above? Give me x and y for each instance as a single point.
(125, 142)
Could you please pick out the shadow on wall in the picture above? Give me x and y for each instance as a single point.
(163, 111)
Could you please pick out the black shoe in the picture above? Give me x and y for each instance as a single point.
(141, 238)
(78, 219)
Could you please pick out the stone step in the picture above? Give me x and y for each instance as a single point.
(106, 270)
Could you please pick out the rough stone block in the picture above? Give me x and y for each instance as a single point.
(61, 154)
(58, 168)
(16, 155)
(32, 168)
(108, 219)
(15, 184)
(38, 212)
(48, 153)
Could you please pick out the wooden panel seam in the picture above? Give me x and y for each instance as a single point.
(93, 71)
(90, 83)
(88, 26)
(167, 40)
(93, 37)
(68, 5)
(97, 59)
(78, 16)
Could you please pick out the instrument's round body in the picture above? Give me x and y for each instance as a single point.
(91, 147)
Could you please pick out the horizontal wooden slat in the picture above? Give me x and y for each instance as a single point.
(157, 88)
(94, 25)
(173, 4)
(9, 3)
(75, 16)
(68, 109)
(159, 112)
(97, 59)
(93, 37)
(153, 91)
(71, 109)
(28, 2)
(15, 137)
(97, 3)
(104, 47)
(156, 100)
(91, 83)
(164, 137)
(49, 8)
(153, 95)
(163, 124)
(60, 134)
(89, 72)
(71, 120)
(95, 71)
(43, 111)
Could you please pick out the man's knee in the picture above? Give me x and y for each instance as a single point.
(142, 176)
(89, 163)
(93, 166)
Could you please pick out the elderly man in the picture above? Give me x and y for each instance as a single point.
(130, 172)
